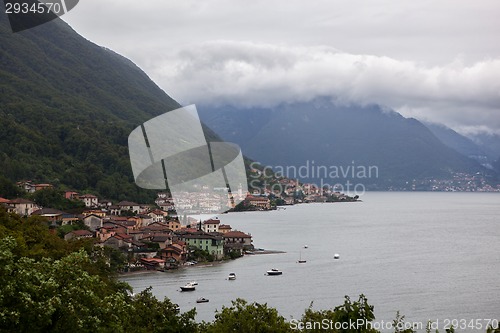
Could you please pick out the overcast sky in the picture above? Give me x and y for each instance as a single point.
(433, 60)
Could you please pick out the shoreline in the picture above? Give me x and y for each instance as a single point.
(201, 265)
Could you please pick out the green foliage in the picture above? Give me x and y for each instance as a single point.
(63, 296)
(197, 254)
(343, 316)
(399, 325)
(52, 198)
(247, 318)
(8, 189)
(65, 117)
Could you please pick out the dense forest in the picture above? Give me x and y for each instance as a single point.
(67, 107)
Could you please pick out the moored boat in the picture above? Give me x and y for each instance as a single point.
(202, 300)
(274, 271)
(232, 276)
(188, 287)
(336, 256)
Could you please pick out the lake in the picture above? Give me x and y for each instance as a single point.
(429, 255)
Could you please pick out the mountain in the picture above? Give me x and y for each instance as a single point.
(460, 143)
(488, 142)
(320, 135)
(67, 107)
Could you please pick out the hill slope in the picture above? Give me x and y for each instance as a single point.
(331, 136)
(460, 143)
(67, 107)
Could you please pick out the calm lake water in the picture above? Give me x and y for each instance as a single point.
(429, 255)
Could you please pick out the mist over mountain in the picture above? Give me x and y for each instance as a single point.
(66, 109)
(322, 134)
(462, 144)
(489, 142)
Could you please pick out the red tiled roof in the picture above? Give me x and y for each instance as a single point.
(236, 234)
(21, 201)
(211, 221)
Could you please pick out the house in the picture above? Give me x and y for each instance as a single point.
(259, 202)
(89, 200)
(23, 207)
(129, 206)
(5, 203)
(237, 240)
(176, 251)
(99, 213)
(210, 225)
(124, 243)
(211, 243)
(53, 215)
(158, 215)
(78, 234)
(145, 219)
(174, 225)
(162, 239)
(27, 185)
(114, 210)
(69, 219)
(39, 187)
(224, 228)
(153, 263)
(71, 195)
(108, 230)
(93, 222)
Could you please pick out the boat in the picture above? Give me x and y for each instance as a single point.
(202, 300)
(301, 261)
(194, 283)
(188, 287)
(305, 246)
(231, 276)
(336, 256)
(274, 271)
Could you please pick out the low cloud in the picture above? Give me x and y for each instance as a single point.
(247, 74)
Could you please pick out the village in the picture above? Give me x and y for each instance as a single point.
(152, 236)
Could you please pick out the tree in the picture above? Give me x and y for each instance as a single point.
(342, 317)
(247, 318)
(8, 189)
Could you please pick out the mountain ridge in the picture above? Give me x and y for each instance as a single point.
(67, 107)
(404, 149)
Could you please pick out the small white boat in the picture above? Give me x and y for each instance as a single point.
(305, 246)
(188, 287)
(274, 271)
(301, 261)
(336, 256)
(231, 276)
(202, 300)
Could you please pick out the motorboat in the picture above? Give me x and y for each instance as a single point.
(274, 271)
(336, 256)
(305, 246)
(202, 300)
(188, 287)
(231, 276)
